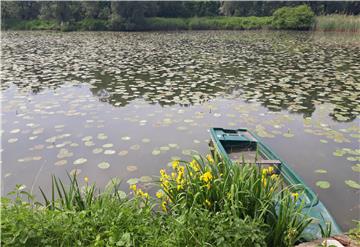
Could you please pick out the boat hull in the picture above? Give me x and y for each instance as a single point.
(313, 208)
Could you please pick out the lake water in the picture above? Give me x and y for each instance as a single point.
(124, 104)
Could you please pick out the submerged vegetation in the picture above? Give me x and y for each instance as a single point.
(202, 202)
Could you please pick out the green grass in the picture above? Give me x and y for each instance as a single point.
(337, 23)
(30, 25)
(208, 23)
(204, 202)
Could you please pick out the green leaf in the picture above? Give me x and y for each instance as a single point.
(323, 184)
(352, 184)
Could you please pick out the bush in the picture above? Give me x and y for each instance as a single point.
(297, 18)
(92, 25)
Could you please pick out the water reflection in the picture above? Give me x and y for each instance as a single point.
(77, 101)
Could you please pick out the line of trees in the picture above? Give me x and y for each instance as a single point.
(135, 12)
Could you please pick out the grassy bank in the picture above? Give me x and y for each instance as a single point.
(342, 23)
(204, 202)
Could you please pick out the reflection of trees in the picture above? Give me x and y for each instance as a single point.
(282, 71)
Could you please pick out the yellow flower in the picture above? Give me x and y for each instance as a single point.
(274, 176)
(86, 179)
(270, 170)
(175, 164)
(206, 177)
(208, 203)
(263, 180)
(173, 175)
(159, 194)
(181, 169)
(163, 206)
(295, 195)
(179, 187)
(194, 165)
(163, 174)
(264, 171)
(209, 158)
(145, 195)
(133, 187)
(165, 184)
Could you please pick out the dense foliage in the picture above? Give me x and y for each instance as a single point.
(127, 15)
(299, 18)
(204, 202)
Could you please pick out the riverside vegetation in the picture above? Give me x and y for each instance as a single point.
(201, 202)
(160, 16)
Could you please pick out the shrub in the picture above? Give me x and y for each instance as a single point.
(92, 25)
(298, 18)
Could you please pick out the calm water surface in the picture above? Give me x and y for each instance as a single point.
(124, 104)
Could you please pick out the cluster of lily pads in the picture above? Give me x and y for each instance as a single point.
(92, 100)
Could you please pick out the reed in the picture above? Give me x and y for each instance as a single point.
(341, 23)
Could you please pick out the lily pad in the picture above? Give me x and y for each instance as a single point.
(323, 184)
(131, 168)
(132, 181)
(109, 152)
(352, 184)
(145, 179)
(103, 165)
(145, 140)
(135, 147)
(321, 171)
(356, 168)
(125, 138)
(155, 152)
(123, 152)
(80, 161)
(60, 163)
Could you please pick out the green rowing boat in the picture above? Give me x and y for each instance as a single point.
(241, 145)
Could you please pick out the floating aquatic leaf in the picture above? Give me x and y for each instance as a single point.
(131, 168)
(145, 140)
(173, 145)
(321, 171)
(135, 147)
(356, 168)
(109, 152)
(80, 161)
(352, 184)
(97, 150)
(186, 152)
(102, 136)
(196, 141)
(164, 148)
(123, 152)
(108, 145)
(155, 152)
(132, 181)
(323, 141)
(89, 143)
(323, 184)
(217, 115)
(288, 135)
(175, 158)
(60, 163)
(145, 179)
(12, 140)
(103, 165)
(15, 131)
(125, 138)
